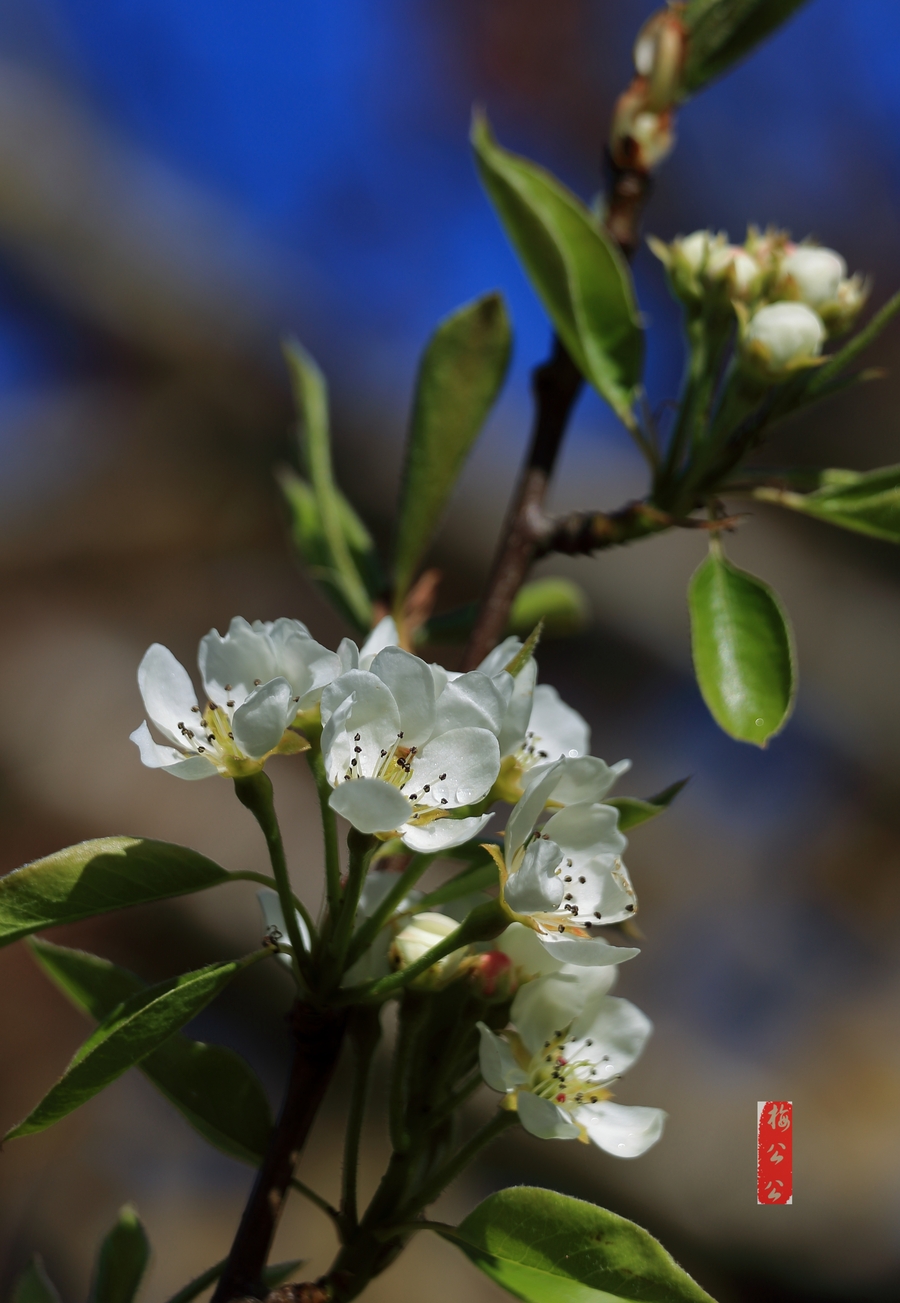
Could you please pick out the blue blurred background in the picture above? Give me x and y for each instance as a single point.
(179, 187)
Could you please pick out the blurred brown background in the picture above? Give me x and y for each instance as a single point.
(177, 189)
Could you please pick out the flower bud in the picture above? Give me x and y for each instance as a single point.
(493, 974)
(686, 260)
(416, 939)
(732, 265)
(781, 337)
(659, 57)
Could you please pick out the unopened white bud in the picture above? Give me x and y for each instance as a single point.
(814, 274)
(734, 264)
(695, 249)
(417, 938)
(784, 336)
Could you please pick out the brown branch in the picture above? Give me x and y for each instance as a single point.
(318, 1035)
(581, 533)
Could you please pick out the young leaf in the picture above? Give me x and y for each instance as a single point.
(559, 603)
(476, 877)
(271, 1276)
(33, 1285)
(545, 1247)
(460, 375)
(122, 1261)
(633, 811)
(743, 655)
(722, 31)
(867, 503)
(96, 877)
(135, 1028)
(213, 1088)
(580, 276)
(311, 397)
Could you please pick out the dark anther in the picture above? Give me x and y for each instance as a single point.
(257, 682)
(353, 761)
(201, 748)
(427, 787)
(195, 709)
(443, 800)
(227, 687)
(582, 881)
(629, 909)
(357, 750)
(442, 777)
(561, 928)
(181, 725)
(231, 735)
(413, 796)
(568, 895)
(229, 704)
(356, 737)
(597, 914)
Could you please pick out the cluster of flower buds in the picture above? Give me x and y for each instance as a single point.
(642, 131)
(789, 298)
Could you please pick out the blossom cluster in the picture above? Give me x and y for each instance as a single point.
(789, 297)
(414, 752)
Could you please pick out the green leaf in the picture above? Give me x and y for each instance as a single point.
(578, 272)
(477, 877)
(545, 1247)
(868, 503)
(335, 521)
(743, 655)
(33, 1285)
(722, 31)
(460, 375)
(212, 1087)
(134, 1029)
(96, 877)
(272, 1276)
(633, 811)
(560, 604)
(122, 1260)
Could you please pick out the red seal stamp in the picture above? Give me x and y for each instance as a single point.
(774, 1151)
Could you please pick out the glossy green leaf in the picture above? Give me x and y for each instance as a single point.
(578, 272)
(325, 513)
(215, 1090)
(96, 877)
(460, 375)
(743, 655)
(122, 1260)
(868, 503)
(633, 811)
(545, 1247)
(134, 1029)
(724, 31)
(33, 1285)
(272, 1276)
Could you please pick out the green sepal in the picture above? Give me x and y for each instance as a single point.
(324, 519)
(867, 502)
(720, 32)
(460, 375)
(213, 1088)
(96, 877)
(526, 651)
(122, 1261)
(579, 274)
(271, 1277)
(33, 1285)
(633, 811)
(743, 653)
(134, 1029)
(544, 1247)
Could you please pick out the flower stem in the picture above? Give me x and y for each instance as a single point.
(329, 831)
(365, 1033)
(316, 1199)
(366, 934)
(502, 1120)
(255, 792)
(247, 875)
(361, 847)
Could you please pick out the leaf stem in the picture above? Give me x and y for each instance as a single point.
(365, 1033)
(329, 831)
(322, 1204)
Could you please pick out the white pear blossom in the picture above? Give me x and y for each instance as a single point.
(420, 934)
(732, 263)
(814, 273)
(784, 336)
(257, 679)
(567, 879)
(403, 756)
(571, 1041)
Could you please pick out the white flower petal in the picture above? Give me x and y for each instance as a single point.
(383, 635)
(518, 712)
(273, 916)
(544, 1119)
(535, 888)
(590, 827)
(618, 1027)
(167, 691)
(357, 702)
(442, 834)
(457, 767)
(348, 655)
(526, 811)
(230, 666)
(305, 663)
(412, 687)
(555, 727)
(174, 762)
(473, 701)
(258, 725)
(370, 804)
(575, 996)
(586, 952)
(498, 1067)
(497, 660)
(621, 1129)
(587, 778)
(526, 952)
